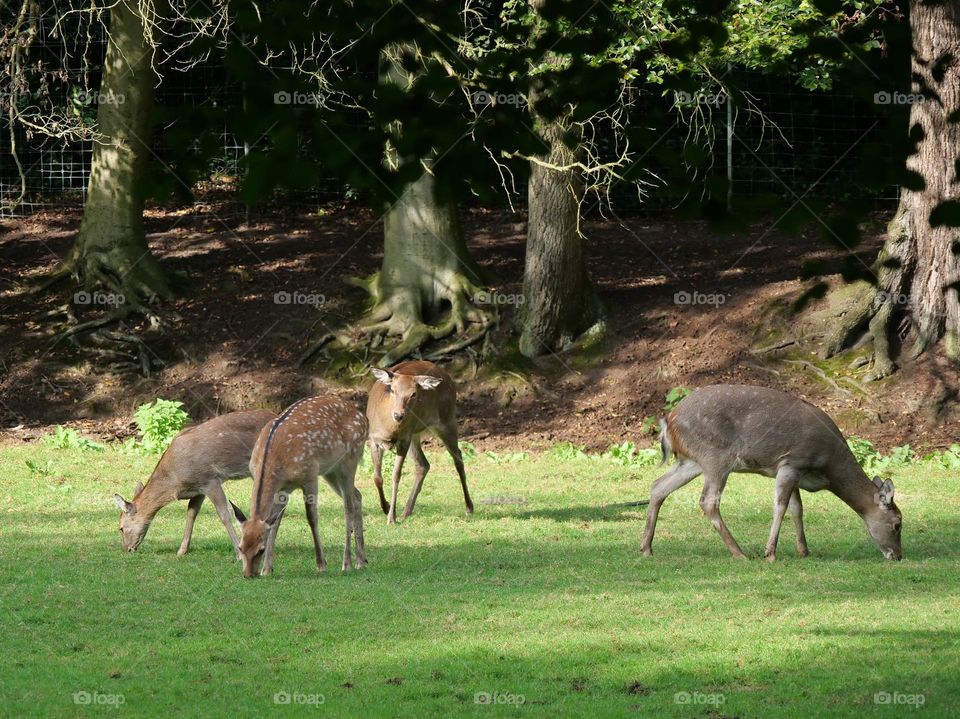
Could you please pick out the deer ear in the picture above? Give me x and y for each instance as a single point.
(238, 513)
(138, 489)
(124, 505)
(426, 381)
(383, 375)
(274, 520)
(877, 482)
(886, 489)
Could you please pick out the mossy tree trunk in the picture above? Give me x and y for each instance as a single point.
(111, 250)
(918, 269)
(427, 283)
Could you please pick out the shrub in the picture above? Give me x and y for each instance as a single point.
(159, 422)
(67, 438)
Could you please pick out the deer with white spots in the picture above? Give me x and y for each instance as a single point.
(194, 467)
(726, 428)
(405, 401)
(313, 437)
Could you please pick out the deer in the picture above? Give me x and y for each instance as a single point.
(724, 428)
(405, 401)
(312, 437)
(193, 467)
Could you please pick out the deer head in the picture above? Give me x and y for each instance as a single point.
(402, 390)
(884, 521)
(133, 525)
(253, 541)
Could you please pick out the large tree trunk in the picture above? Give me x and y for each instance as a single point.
(922, 284)
(559, 301)
(427, 284)
(111, 250)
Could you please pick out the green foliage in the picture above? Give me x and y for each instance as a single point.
(627, 454)
(674, 396)
(508, 457)
(69, 438)
(568, 451)
(948, 459)
(468, 451)
(40, 470)
(159, 422)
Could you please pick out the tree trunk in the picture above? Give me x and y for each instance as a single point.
(923, 285)
(427, 283)
(111, 249)
(559, 300)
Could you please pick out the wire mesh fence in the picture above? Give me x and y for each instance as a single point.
(794, 142)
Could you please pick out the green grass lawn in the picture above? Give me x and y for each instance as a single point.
(547, 602)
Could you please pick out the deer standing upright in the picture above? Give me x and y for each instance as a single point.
(723, 428)
(405, 401)
(193, 467)
(313, 437)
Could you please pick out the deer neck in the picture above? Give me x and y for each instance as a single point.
(154, 497)
(855, 489)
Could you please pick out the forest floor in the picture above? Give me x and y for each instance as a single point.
(228, 344)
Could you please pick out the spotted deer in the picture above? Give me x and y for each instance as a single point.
(193, 467)
(724, 428)
(405, 401)
(313, 437)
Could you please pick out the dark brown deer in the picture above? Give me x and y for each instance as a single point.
(193, 467)
(405, 401)
(724, 428)
(313, 437)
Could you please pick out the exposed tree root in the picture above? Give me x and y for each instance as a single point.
(399, 313)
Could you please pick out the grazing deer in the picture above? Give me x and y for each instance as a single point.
(315, 436)
(738, 428)
(193, 468)
(405, 401)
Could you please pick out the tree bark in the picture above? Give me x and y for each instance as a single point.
(427, 284)
(559, 300)
(922, 287)
(111, 249)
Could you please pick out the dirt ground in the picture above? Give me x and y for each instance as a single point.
(227, 344)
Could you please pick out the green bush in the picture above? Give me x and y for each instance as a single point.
(158, 422)
(67, 438)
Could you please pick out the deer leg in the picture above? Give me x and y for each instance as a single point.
(448, 435)
(796, 511)
(358, 528)
(397, 468)
(679, 474)
(219, 499)
(784, 486)
(713, 486)
(193, 507)
(310, 504)
(422, 467)
(267, 567)
(346, 491)
(376, 455)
